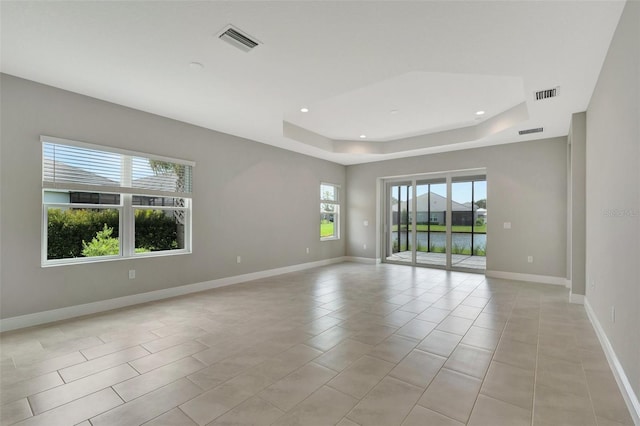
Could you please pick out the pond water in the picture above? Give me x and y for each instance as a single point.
(438, 239)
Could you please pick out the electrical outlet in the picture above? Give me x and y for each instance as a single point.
(364, 246)
(132, 274)
(507, 225)
(307, 250)
(530, 259)
(365, 223)
(238, 259)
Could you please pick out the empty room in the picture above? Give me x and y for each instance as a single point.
(320, 213)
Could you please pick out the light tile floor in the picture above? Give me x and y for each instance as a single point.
(346, 344)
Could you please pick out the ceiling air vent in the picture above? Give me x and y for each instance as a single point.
(528, 131)
(238, 39)
(546, 94)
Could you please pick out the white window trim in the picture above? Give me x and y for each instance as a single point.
(187, 229)
(336, 203)
(125, 209)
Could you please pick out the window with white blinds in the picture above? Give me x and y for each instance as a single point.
(87, 168)
(104, 203)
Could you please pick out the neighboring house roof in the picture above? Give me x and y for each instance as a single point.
(470, 204)
(156, 182)
(57, 171)
(437, 203)
(67, 173)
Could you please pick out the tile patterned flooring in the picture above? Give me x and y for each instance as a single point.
(347, 344)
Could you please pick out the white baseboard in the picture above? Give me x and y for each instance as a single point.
(366, 260)
(542, 279)
(630, 398)
(567, 283)
(44, 317)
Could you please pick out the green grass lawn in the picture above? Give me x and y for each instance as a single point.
(443, 228)
(326, 229)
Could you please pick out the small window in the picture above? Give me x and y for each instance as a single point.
(329, 211)
(101, 203)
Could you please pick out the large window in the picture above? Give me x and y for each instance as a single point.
(101, 203)
(329, 211)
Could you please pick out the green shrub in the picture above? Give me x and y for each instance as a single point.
(437, 249)
(457, 249)
(68, 229)
(155, 230)
(102, 244)
(105, 245)
(480, 250)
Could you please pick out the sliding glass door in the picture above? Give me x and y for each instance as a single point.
(400, 236)
(431, 223)
(437, 221)
(468, 222)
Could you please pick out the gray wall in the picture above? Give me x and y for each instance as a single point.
(613, 194)
(250, 199)
(526, 185)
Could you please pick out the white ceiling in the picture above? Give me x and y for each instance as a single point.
(434, 63)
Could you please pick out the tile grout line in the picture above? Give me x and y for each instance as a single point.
(309, 396)
(492, 356)
(231, 378)
(584, 373)
(442, 366)
(535, 372)
(413, 349)
(396, 364)
(73, 400)
(30, 408)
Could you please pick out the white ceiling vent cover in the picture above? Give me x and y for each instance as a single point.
(546, 94)
(238, 38)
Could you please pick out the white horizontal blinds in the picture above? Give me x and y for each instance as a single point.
(64, 164)
(164, 176)
(77, 167)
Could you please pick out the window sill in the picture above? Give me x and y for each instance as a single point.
(102, 259)
(329, 239)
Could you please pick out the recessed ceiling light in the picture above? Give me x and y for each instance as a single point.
(196, 66)
(394, 111)
(480, 113)
(304, 109)
(363, 136)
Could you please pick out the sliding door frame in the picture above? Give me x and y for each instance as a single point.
(385, 222)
